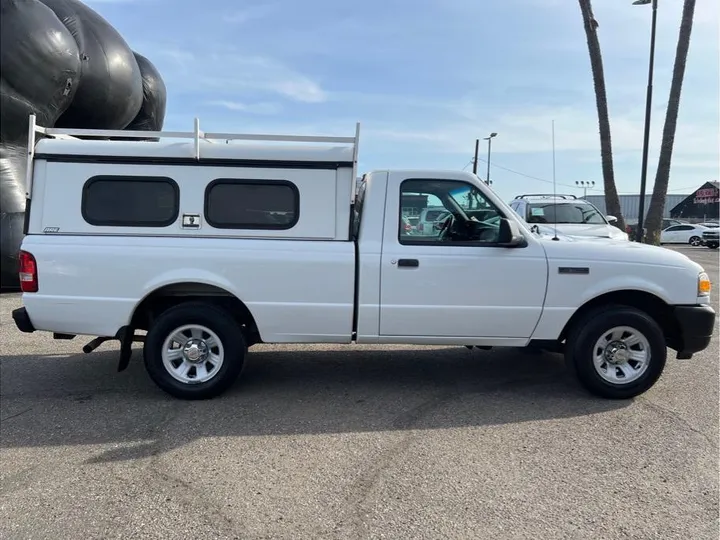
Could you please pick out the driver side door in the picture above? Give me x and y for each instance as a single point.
(670, 235)
(448, 289)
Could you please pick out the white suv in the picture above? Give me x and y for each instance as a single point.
(429, 217)
(568, 215)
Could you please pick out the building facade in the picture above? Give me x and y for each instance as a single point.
(630, 204)
(702, 205)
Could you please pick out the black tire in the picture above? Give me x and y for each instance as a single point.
(695, 241)
(712, 245)
(211, 317)
(586, 332)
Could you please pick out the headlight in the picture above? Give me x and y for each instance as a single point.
(704, 285)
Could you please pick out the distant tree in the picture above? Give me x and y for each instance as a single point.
(662, 176)
(612, 200)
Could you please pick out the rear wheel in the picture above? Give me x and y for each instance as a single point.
(695, 241)
(194, 351)
(617, 352)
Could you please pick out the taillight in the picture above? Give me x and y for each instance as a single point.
(420, 227)
(28, 272)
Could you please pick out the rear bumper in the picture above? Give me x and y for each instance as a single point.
(696, 325)
(22, 320)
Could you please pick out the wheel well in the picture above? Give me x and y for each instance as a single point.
(654, 306)
(172, 295)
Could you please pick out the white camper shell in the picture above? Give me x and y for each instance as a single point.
(65, 168)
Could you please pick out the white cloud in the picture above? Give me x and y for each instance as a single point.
(231, 71)
(252, 108)
(529, 131)
(248, 14)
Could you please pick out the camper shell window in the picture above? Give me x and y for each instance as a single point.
(130, 201)
(252, 204)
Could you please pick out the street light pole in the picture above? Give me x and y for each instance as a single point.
(489, 140)
(648, 106)
(585, 184)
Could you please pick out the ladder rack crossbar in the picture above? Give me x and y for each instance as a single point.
(134, 134)
(197, 135)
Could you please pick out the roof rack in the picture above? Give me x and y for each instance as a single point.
(197, 135)
(546, 196)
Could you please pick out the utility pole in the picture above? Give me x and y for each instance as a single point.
(477, 144)
(648, 106)
(489, 140)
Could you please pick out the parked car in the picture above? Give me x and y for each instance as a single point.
(213, 248)
(710, 224)
(430, 218)
(567, 214)
(408, 227)
(631, 226)
(711, 238)
(687, 233)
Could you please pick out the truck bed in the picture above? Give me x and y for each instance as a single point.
(297, 291)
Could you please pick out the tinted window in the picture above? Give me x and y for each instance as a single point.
(570, 212)
(130, 201)
(251, 204)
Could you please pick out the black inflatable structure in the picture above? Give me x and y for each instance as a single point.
(63, 62)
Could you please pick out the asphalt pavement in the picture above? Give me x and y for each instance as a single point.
(353, 442)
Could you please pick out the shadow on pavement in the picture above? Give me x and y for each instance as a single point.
(81, 400)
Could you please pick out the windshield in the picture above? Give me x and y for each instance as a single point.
(569, 212)
(469, 199)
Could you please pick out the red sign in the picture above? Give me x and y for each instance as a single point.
(707, 196)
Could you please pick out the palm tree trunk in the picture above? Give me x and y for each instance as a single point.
(662, 176)
(612, 201)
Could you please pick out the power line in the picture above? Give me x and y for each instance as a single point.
(528, 175)
(691, 188)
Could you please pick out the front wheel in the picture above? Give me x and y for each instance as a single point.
(194, 351)
(617, 352)
(695, 241)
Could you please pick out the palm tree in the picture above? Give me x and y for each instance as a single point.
(662, 176)
(612, 201)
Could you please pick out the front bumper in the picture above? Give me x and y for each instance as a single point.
(696, 325)
(22, 320)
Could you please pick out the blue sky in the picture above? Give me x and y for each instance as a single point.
(427, 77)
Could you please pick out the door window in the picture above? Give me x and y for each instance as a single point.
(462, 213)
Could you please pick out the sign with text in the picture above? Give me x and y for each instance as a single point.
(707, 196)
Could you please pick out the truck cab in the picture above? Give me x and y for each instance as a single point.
(453, 286)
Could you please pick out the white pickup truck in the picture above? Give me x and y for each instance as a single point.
(211, 248)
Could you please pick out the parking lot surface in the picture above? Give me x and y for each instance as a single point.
(353, 442)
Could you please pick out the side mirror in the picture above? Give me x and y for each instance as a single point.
(510, 235)
(611, 219)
